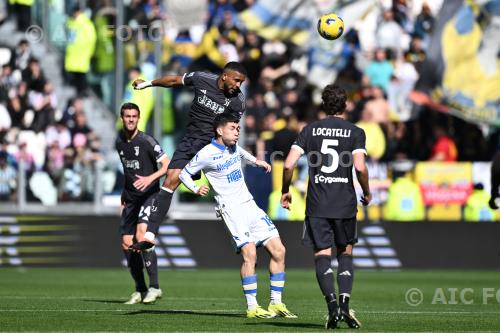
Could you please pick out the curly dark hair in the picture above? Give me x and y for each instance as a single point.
(334, 99)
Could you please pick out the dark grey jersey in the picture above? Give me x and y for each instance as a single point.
(329, 144)
(209, 101)
(140, 157)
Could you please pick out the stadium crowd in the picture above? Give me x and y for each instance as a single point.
(50, 140)
(280, 98)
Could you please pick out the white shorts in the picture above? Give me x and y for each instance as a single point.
(247, 223)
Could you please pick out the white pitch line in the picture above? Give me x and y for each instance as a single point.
(119, 298)
(181, 311)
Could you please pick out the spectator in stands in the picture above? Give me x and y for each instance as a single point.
(54, 161)
(105, 52)
(444, 148)
(80, 125)
(17, 108)
(5, 121)
(476, 209)
(424, 22)
(379, 71)
(44, 104)
(7, 178)
(58, 133)
(33, 76)
(22, 10)
(9, 80)
(24, 155)
(389, 34)
(22, 55)
(75, 105)
(79, 49)
(404, 201)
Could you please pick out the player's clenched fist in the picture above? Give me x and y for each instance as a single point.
(139, 84)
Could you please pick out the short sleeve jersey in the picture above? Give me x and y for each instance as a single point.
(140, 157)
(329, 145)
(209, 101)
(222, 167)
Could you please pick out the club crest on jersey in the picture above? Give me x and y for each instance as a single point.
(136, 149)
(227, 101)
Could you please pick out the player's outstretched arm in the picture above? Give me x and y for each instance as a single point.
(253, 160)
(168, 81)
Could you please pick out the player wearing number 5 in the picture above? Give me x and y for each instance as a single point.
(333, 146)
(139, 154)
(248, 225)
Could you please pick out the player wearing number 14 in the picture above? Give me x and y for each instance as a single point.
(333, 145)
(139, 154)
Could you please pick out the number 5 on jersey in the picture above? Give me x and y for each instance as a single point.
(326, 149)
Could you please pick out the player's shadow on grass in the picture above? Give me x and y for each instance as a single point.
(288, 324)
(187, 312)
(112, 301)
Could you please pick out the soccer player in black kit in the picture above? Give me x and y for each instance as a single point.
(140, 155)
(213, 94)
(333, 145)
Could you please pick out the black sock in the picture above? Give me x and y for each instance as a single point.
(324, 275)
(345, 278)
(151, 263)
(160, 206)
(135, 265)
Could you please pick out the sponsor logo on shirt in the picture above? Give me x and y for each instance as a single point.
(228, 163)
(132, 164)
(329, 180)
(210, 104)
(215, 158)
(234, 176)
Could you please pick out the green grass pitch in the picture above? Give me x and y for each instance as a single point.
(91, 300)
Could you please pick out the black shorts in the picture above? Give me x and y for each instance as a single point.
(136, 212)
(186, 150)
(319, 233)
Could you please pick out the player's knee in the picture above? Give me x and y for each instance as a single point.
(279, 253)
(249, 255)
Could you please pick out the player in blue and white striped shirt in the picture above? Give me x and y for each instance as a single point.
(249, 225)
